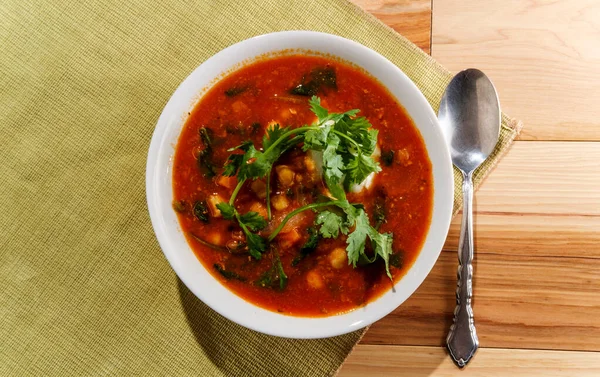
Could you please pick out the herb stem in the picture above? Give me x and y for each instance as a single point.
(297, 211)
(349, 139)
(236, 191)
(288, 134)
(269, 195)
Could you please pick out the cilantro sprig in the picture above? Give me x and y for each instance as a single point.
(249, 222)
(347, 142)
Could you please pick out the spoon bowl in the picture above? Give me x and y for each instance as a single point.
(469, 116)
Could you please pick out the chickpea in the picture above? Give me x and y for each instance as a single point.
(238, 106)
(259, 188)
(280, 202)
(310, 164)
(285, 175)
(337, 258)
(215, 238)
(314, 280)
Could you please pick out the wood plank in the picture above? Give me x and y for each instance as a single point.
(542, 199)
(411, 18)
(543, 57)
(384, 361)
(519, 302)
(532, 234)
(550, 178)
(537, 258)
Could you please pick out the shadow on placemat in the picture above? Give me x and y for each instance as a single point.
(238, 351)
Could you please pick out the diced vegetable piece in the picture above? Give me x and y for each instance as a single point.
(259, 208)
(212, 202)
(402, 157)
(338, 258)
(289, 239)
(227, 182)
(280, 202)
(285, 175)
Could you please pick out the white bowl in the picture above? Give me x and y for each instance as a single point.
(159, 189)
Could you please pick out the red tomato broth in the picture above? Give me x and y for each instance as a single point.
(407, 184)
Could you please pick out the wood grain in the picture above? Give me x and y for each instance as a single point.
(542, 199)
(411, 18)
(543, 56)
(537, 266)
(433, 361)
(537, 258)
(519, 302)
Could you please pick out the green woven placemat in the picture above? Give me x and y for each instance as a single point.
(85, 287)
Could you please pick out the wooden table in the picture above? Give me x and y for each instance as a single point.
(537, 219)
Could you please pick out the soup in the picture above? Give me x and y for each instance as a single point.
(292, 198)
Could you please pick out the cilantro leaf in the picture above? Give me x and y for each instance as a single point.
(333, 162)
(335, 188)
(253, 221)
(273, 275)
(317, 139)
(382, 244)
(232, 165)
(357, 239)
(255, 164)
(244, 146)
(273, 133)
(316, 108)
(256, 245)
(227, 210)
(359, 168)
(331, 224)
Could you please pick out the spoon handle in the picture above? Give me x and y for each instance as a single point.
(462, 339)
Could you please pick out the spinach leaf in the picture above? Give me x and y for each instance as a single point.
(309, 246)
(179, 205)
(200, 211)
(228, 274)
(205, 162)
(396, 260)
(275, 276)
(379, 213)
(387, 157)
(319, 78)
(235, 90)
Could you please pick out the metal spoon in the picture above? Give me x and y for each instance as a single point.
(470, 119)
